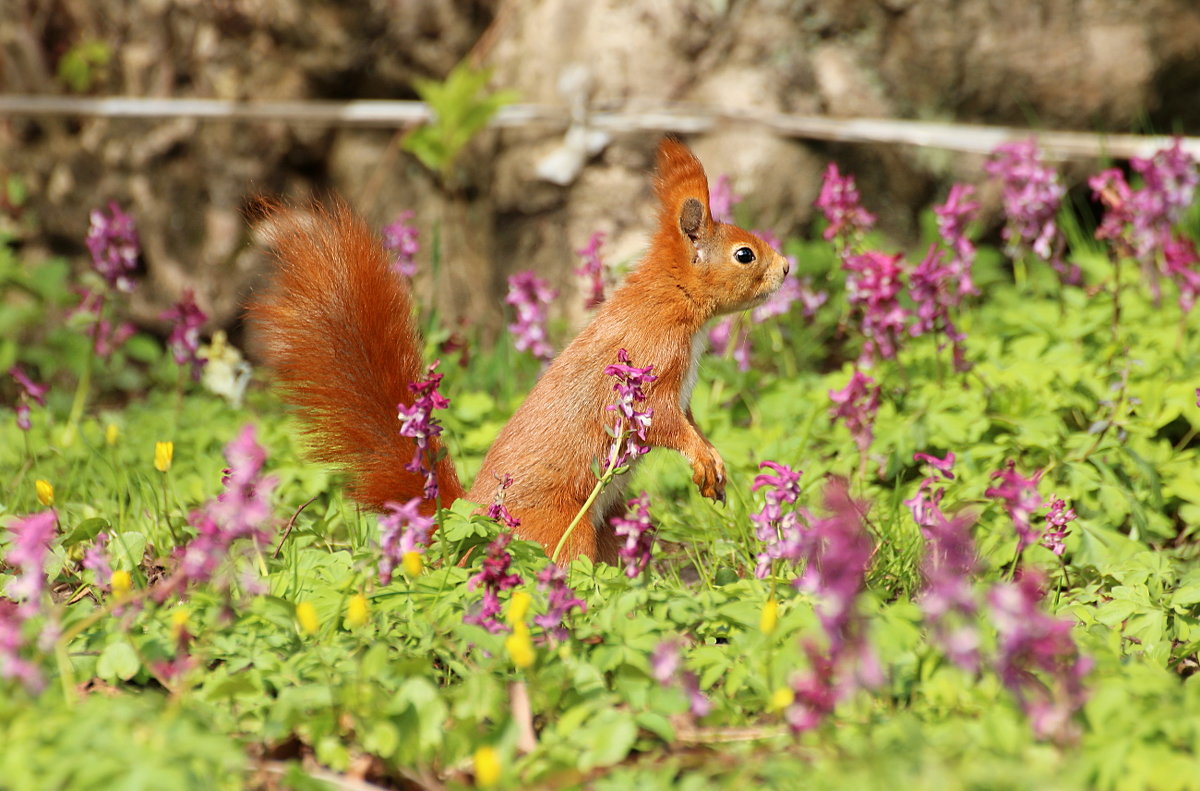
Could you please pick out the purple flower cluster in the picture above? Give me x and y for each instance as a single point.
(839, 202)
(722, 199)
(664, 666)
(592, 269)
(417, 421)
(938, 284)
(953, 217)
(402, 529)
(186, 319)
(495, 577)
(497, 510)
(529, 295)
(1140, 222)
(856, 405)
(629, 432)
(31, 543)
(837, 550)
(96, 560)
(242, 511)
(30, 391)
(12, 665)
(1058, 517)
(402, 240)
(873, 284)
(947, 599)
(560, 601)
(106, 336)
(1021, 499)
(1030, 640)
(638, 531)
(778, 530)
(113, 242)
(1032, 195)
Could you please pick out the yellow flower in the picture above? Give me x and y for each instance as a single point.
(163, 453)
(487, 767)
(356, 611)
(306, 616)
(45, 492)
(179, 622)
(770, 616)
(110, 434)
(520, 646)
(517, 607)
(121, 583)
(782, 698)
(412, 563)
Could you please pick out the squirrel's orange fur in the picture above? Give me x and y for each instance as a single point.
(339, 333)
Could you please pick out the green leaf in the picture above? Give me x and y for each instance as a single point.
(118, 661)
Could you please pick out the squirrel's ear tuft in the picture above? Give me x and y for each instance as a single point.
(682, 186)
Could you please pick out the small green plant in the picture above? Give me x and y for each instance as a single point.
(461, 107)
(83, 65)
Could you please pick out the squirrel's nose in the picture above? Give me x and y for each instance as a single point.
(787, 266)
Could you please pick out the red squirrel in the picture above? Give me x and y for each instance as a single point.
(338, 330)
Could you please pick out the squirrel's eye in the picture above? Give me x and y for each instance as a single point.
(744, 255)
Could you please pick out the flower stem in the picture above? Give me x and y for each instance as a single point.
(600, 484)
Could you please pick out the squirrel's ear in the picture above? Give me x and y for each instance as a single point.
(691, 218)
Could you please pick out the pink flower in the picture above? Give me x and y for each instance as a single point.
(778, 531)
(1140, 222)
(12, 665)
(947, 598)
(31, 542)
(629, 430)
(417, 421)
(856, 405)
(1030, 641)
(839, 202)
(113, 242)
(560, 601)
(403, 241)
(1058, 516)
(495, 578)
(953, 216)
(96, 560)
(815, 692)
(242, 511)
(873, 285)
(838, 550)
(1021, 499)
(637, 530)
(530, 295)
(402, 529)
(30, 391)
(943, 466)
(497, 509)
(592, 269)
(186, 319)
(664, 666)
(1032, 194)
(722, 199)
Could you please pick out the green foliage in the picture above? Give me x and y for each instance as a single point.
(82, 65)
(461, 107)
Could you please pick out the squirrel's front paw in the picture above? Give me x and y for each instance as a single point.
(708, 473)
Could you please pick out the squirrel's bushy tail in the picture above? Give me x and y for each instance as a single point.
(337, 327)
